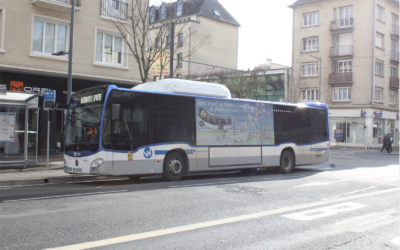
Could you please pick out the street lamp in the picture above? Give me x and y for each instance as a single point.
(320, 73)
(61, 53)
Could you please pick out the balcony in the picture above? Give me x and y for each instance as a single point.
(394, 56)
(341, 78)
(114, 8)
(341, 51)
(394, 83)
(60, 5)
(342, 25)
(394, 33)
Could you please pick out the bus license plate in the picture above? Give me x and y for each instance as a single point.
(74, 170)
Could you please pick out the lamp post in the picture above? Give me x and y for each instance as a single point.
(320, 73)
(70, 52)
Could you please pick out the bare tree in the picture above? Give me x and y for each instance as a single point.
(145, 31)
(299, 84)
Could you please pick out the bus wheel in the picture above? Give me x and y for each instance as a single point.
(287, 162)
(174, 167)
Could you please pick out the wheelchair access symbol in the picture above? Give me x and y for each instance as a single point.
(147, 153)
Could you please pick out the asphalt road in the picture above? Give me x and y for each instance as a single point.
(351, 202)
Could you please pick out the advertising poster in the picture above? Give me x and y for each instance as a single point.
(7, 122)
(225, 122)
(378, 114)
(161, 64)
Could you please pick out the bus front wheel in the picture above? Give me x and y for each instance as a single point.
(174, 167)
(287, 162)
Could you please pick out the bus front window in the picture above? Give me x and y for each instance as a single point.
(84, 120)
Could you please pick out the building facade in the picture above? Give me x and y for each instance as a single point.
(208, 35)
(353, 47)
(31, 31)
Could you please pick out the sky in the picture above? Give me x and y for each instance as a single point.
(265, 32)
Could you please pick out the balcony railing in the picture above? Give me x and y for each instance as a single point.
(342, 23)
(395, 29)
(114, 8)
(394, 82)
(344, 50)
(63, 5)
(341, 78)
(394, 55)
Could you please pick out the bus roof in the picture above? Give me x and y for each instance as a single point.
(135, 89)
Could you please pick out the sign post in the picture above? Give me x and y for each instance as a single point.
(49, 99)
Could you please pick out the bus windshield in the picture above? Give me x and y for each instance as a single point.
(84, 119)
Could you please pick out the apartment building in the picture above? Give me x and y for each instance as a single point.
(196, 20)
(32, 30)
(356, 42)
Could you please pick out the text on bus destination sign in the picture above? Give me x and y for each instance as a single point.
(91, 98)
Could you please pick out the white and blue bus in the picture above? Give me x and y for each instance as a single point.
(176, 127)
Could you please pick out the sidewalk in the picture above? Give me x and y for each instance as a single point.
(40, 174)
(350, 151)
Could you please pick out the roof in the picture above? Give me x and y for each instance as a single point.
(298, 2)
(201, 7)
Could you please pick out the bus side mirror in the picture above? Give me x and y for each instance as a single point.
(115, 108)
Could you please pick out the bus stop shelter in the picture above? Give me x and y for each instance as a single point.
(19, 117)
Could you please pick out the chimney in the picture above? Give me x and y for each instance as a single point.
(269, 62)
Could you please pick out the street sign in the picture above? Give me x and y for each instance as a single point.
(363, 113)
(338, 134)
(378, 113)
(49, 99)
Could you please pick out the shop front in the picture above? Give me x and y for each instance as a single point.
(362, 128)
(35, 83)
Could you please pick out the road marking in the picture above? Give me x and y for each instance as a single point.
(133, 237)
(324, 211)
(202, 184)
(313, 184)
(368, 222)
(62, 196)
(102, 185)
(348, 193)
(395, 241)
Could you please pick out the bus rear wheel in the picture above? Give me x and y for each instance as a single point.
(287, 162)
(174, 167)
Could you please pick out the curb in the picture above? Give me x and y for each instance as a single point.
(55, 180)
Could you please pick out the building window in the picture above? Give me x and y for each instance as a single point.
(158, 43)
(340, 67)
(216, 12)
(179, 8)
(310, 44)
(380, 40)
(180, 41)
(163, 12)
(392, 97)
(49, 37)
(341, 94)
(309, 95)
(179, 62)
(179, 76)
(152, 15)
(109, 48)
(379, 67)
(168, 42)
(394, 72)
(310, 69)
(378, 94)
(310, 19)
(380, 11)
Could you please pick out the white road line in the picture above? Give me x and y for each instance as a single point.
(133, 237)
(202, 184)
(62, 196)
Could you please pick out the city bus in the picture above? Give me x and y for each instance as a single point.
(176, 127)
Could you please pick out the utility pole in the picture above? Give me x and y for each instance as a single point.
(71, 44)
(171, 51)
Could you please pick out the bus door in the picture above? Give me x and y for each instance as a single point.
(132, 152)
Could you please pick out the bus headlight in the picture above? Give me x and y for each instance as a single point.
(96, 164)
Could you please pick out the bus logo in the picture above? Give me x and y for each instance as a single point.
(147, 153)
